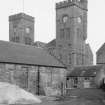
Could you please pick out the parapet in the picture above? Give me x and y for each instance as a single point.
(21, 16)
(63, 3)
(67, 3)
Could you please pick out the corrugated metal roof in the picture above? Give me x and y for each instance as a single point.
(85, 71)
(24, 54)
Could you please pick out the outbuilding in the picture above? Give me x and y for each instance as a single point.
(85, 77)
(33, 69)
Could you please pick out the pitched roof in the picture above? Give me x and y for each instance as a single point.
(51, 43)
(101, 49)
(24, 54)
(21, 15)
(85, 71)
(39, 44)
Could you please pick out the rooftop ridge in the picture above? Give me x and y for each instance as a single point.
(23, 54)
(100, 49)
(66, 3)
(63, 2)
(21, 15)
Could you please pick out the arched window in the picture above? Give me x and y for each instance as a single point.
(65, 18)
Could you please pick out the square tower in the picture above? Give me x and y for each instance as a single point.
(21, 28)
(71, 31)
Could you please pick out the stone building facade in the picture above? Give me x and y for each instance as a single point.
(70, 45)
(27, 63)
(100, 54)
(88, 55)
(32, 69)
(84, 77)
(39, 80)
(100, 60)
(21, 28)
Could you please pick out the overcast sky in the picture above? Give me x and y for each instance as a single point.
(44, 13)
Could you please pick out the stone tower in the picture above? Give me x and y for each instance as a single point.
(71, 31)
(21, 29)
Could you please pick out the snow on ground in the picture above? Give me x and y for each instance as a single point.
(12, 94)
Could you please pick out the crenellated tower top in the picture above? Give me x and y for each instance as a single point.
(67, 3)
(71, 31)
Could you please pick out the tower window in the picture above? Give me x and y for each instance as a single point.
(65, 18)
(79, 33)
(79, 20)
(77, 60)
(67, 30)
(27, 30)
(15, 39)
(28, 40)
(14, 31)
(61, 33)
(69, 58)
(60, 47)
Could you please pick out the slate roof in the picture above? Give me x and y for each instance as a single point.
(51, 43)
(85, 71)
(39, 44)
(24, 54)
(21, 15)
(101, 49)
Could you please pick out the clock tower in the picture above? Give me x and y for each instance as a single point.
(71, 31)
(21, 29)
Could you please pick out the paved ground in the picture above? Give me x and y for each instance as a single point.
(84, 97)
(72, 102)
